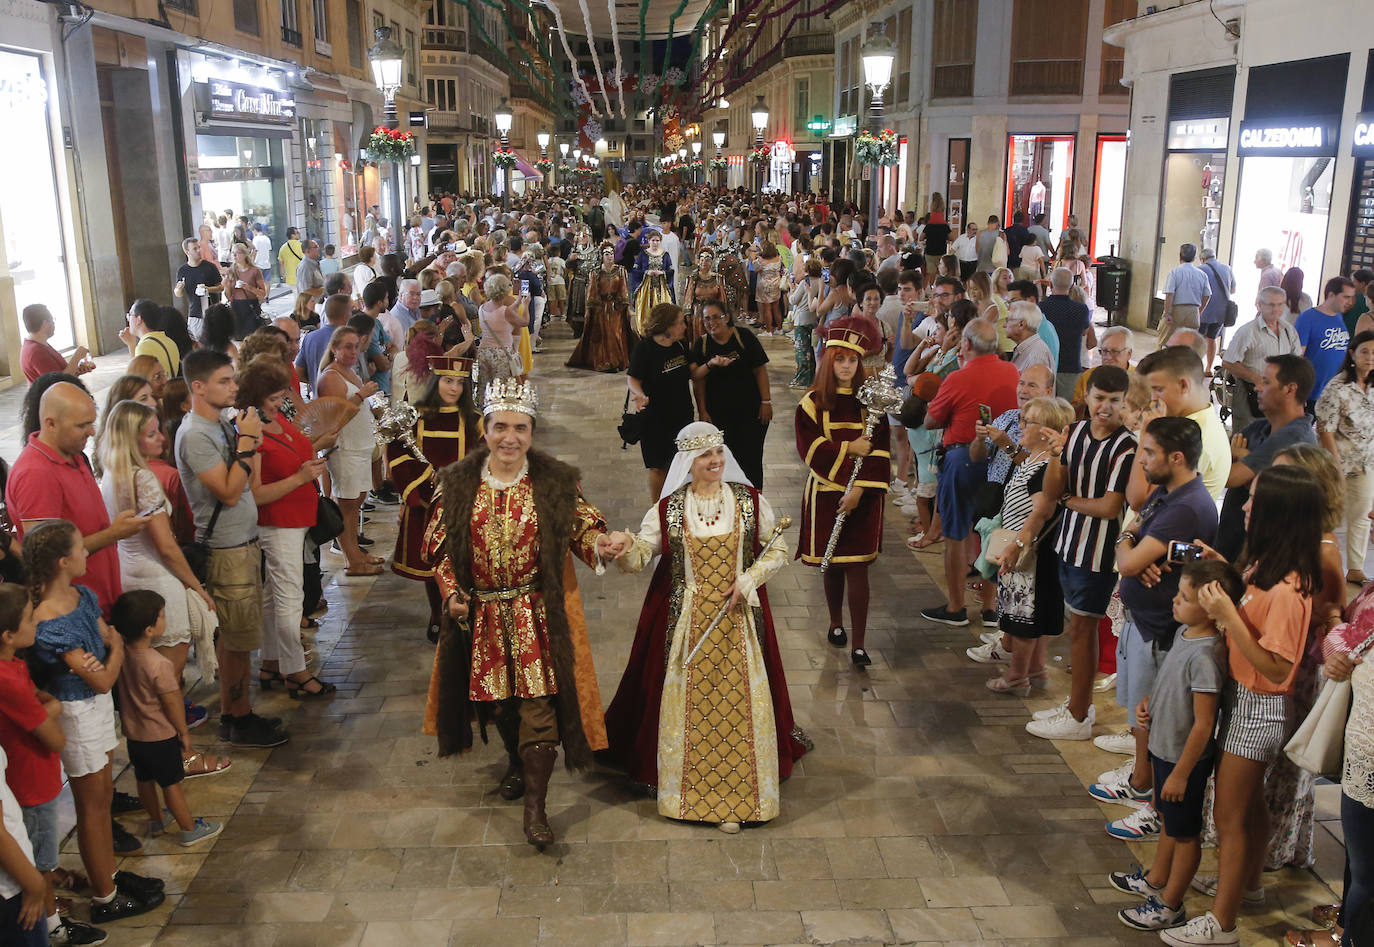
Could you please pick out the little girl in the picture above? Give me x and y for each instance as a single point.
(85, 655)
(1264, 636)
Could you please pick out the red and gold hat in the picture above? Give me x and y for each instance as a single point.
(846, 336)
(450, 365)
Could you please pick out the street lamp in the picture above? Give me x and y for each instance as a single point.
(878, 54)
(387, 57)
(696, 153)
(718, 136)
(563, 147)
(543, 139)
(504, 118)
(759, 114)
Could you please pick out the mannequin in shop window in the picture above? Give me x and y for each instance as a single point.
(1037, 197)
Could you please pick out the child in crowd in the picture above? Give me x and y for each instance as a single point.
(31, 738)
(330, 263)
(22, 887)
(1181, 715)
(154, 716)
(85, 657)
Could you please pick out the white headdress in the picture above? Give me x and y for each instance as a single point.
(510, 394)
(692, 441)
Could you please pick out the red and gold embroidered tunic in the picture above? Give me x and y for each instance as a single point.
(510, 645)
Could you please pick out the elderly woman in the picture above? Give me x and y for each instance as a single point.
(1029, 600)
(1345, 427)
(286, 499)
(501, 318)
(607, 334)
(730, 382)
(702, 711)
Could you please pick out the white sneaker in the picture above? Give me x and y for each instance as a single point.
(990, 637)
(1202, 931)
(1049, 712)
(1123, 743)
(990, 653)
(1123, 771)
(1105, 684)
(1207, 884)
(1121, 793)
(1140, 824)
(1063, 726)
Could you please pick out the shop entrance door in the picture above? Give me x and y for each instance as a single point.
(1040, 178)
(956, 187)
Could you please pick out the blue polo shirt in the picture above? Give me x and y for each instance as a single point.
(1324, 339)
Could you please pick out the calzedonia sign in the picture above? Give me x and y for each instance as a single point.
(1314, 137)
(222, 100)
(1362, 141)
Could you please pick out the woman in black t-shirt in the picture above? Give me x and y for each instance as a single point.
(660, 385)
(730, 380)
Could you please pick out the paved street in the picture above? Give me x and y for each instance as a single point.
(924, 814)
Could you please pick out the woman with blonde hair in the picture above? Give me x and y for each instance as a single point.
(501, 318)
(150, 559)
(364, 272)
(991, 307)
(350, 465)
(149, 367)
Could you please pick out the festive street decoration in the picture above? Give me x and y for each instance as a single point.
(880, 149)
(390, 144)
(759, 155)
(719, 164)
(544, 165)
(503, 158)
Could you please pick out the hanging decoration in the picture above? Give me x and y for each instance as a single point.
(503, 158)
(593, 131)
(596, 60)
(618, 77)
(544, 165)
(760, 155)
(880, 149)
(580, 85)
(719, 164)
(390, 144)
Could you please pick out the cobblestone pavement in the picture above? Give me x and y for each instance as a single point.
(924, 814)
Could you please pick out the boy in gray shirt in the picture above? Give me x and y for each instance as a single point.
(1181, 715)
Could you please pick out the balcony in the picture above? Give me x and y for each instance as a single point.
(951, 80)
(488, 52)
(809, 44)
(1046, 77)
(446, 121)
(291, 37)
(439, 37)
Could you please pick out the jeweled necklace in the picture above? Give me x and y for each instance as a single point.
(710, 511)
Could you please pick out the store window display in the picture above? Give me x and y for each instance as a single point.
(1040, 178)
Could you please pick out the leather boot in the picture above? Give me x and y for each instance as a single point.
(539, 759)
(512, 785)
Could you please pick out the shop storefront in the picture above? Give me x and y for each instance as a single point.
(30, 207)
(779, 174)
(956, 183)
(1040, 178)
(1109, 195)
(1359, 236)
(1287, 147)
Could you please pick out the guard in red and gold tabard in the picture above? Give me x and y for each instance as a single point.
(830, 428)
(446, 430)
(506, 522)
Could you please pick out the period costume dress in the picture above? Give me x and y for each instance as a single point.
(522, 659)
(580, 267)
(701, 289)
(607, 334)
(708, 723)
(821, 442)
(651, 282)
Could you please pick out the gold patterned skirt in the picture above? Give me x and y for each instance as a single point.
(717, 748)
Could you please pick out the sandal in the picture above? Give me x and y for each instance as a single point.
(1326, 915)
(298, 690)
(68, 880)
(269, 679)
(927, 541)
(309, 624)
(199, 764)
(1317, 938)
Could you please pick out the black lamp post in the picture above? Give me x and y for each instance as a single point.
(387, 57)
(504, 119)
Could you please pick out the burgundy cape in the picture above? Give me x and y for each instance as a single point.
(632, 718)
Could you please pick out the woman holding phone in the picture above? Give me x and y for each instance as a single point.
(247, 292)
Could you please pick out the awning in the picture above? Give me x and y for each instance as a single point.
(525, 168)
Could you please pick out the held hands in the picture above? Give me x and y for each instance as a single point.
(861, 446)
(612, 545)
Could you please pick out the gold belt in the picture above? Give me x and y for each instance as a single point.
(504, 595)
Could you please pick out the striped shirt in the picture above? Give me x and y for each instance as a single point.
(1095, 468)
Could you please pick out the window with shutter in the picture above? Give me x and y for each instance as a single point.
(953, 48)
(246, 16)
(353, 10)
(1114, 57)
(1048, 38)
(902, 73)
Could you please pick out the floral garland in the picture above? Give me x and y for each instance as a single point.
(719, 164)
(390, 144)
(696, 164)
(544, 165)
(503, 158)
(759, 155)
(880, 149)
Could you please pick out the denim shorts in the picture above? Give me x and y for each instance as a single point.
(1086, 592)
(1136, 666)
(41, 823)
(956, 489)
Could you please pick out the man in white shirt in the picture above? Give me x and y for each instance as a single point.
(966, 249)
(671, 244)
(1023, 328)
(262, 253)
(224, 240)
(1258, 340)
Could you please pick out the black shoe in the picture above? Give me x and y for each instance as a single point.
(123, 802)
(124, 842)
(837, 637)
(253, 731)
(946, 617)
(138, 885)
(365, 541)
(432, 633)
(860, 658)
(387, 494)
(73, 933)
(276, 723)
(367, 506)
(124, 905)
(990, 618)
(226, 723)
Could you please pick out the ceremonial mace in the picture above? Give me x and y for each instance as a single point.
(879, 396)
(773, 537)
(397, 423)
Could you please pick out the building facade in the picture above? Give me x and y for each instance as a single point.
(465, 79)
(1250, 130)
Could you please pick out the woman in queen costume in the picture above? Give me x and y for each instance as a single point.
(651, 280)
(708, 722)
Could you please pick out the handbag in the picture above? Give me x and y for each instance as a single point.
(329, 521)
(1001, 253)
(1002, 542)
(1232, 310)
(631, 426)
(1318, 746)
(197, 551)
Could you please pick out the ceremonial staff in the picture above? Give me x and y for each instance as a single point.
(773, 537)
(879, 396)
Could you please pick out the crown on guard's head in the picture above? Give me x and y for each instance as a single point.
(701, 442)
(510, 394)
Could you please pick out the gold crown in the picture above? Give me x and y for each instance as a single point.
(701, 442)
(509, 394)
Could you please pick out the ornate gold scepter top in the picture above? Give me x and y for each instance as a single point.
(880, 396)
(778, 529)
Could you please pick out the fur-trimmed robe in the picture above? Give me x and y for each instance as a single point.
(556, 494)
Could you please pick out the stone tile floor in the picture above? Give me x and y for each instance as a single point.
(925, 814)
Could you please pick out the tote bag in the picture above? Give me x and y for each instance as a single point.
(1319, 744)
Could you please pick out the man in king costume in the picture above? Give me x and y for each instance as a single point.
(515, 653)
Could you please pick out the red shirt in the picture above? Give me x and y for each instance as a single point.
(296, 385)
(34, 772)
(282, 455)
(45, 486)
(985, 380)
(39, 358)
(170, 479)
